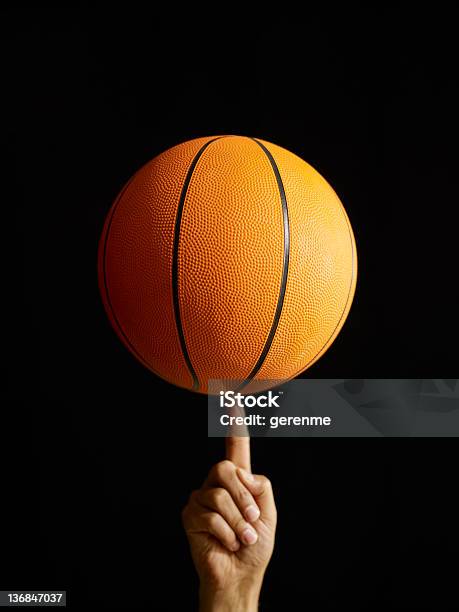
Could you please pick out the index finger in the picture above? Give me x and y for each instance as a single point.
(238, 443)
(238, 451)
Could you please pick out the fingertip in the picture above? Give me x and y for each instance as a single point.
(235, 546)
(252, 513)
(250, 536)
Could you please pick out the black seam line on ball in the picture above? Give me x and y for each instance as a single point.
(107, 293)
(175, 272)
(286, 256)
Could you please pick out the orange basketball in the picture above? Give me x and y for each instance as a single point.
(227, 258)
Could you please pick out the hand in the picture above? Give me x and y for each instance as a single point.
(230, 523)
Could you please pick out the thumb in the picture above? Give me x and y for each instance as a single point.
(262, 490)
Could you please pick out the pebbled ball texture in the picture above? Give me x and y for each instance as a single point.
(228, 225)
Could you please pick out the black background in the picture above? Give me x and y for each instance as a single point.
(370, 101)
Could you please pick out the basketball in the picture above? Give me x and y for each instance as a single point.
(230, 258)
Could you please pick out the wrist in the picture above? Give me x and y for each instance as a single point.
(240, 598)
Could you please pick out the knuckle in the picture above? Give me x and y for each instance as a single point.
(265, 482)
(244, 498)
(223, 469)
(220, 496)
(213, 522)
